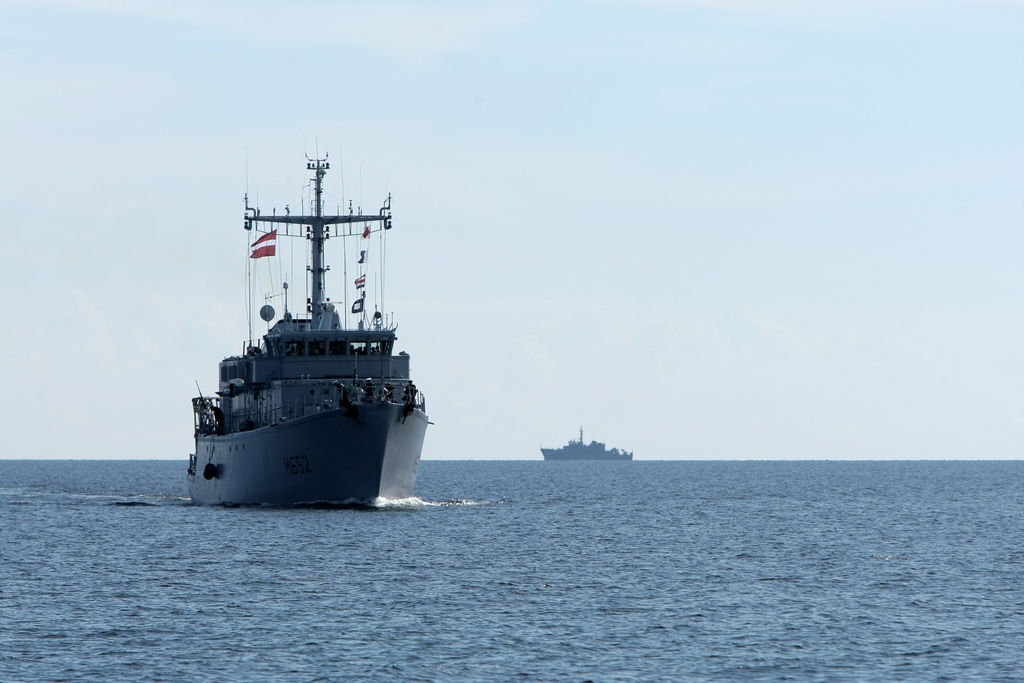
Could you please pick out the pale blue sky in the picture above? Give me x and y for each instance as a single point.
(782, 229)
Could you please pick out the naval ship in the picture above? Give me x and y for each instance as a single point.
(577, 450)
(317, 412)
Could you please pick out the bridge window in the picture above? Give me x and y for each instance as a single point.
(232, 371)
(375, 348)
(339, 348)
(294, 348)
(317, 348)
(359, 348)
(385, 346)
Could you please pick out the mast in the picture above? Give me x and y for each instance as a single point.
(317, 226)
(317, 229)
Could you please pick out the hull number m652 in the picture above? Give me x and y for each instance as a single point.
(297, 464)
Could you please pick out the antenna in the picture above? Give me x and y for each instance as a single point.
(317, 230)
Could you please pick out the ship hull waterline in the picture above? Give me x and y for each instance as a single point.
(554, 454)
(329, 457)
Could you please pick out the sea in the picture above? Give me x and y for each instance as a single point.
(521, 571)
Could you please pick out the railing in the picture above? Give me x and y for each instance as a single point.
(264, 411)
(207, 415)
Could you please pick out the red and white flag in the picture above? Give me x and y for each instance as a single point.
(265, 246)
(366, 232)
(360, 282)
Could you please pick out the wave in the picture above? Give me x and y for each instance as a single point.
(414, 502)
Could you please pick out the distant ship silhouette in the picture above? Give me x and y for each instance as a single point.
(577, 450)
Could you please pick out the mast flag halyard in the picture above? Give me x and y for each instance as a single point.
(316, 234)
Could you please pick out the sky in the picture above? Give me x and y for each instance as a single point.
(698, 229)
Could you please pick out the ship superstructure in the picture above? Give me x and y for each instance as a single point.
(314, 412)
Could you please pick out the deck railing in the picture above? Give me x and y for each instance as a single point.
(263, 412)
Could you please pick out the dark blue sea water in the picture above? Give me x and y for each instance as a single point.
(522, 571)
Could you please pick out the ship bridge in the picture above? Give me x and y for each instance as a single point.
(293, 350)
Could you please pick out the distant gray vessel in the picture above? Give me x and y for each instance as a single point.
(315, 412)
(577, 450)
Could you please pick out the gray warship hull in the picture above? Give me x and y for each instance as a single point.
(318, 411)
(330, 457)
(582, 454)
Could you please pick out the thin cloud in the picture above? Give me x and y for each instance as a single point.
(843, 16)
(404, 31)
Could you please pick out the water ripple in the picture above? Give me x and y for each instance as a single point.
(502, 571)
